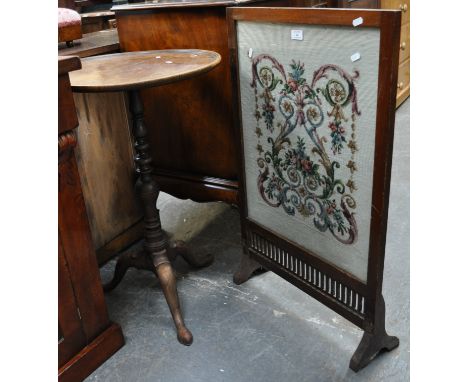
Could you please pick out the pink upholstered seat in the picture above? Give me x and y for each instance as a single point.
(69, 25)
(67, 17)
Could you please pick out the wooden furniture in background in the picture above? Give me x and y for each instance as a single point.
(92, 44)
(69, 26)
(193, 146)
(86, 336)
(369, 4)
(105, 157)
(403, 84)
(70, 4)
(132, 72)
(96, 21)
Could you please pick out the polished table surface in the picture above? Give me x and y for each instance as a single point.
(136, 70)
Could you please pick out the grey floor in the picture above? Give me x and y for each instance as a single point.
(265, 329)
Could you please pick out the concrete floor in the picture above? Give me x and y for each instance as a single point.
(265, 329)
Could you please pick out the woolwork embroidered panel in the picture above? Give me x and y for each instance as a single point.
(309, 117)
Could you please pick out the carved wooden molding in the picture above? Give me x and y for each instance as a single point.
(66, 141)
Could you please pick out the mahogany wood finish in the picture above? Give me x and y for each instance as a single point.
(193, 146)
(70, 4)
(132, 72)
(69, 33)
(107, 170)
(403, 84)
(96, 21)
(362, 4)
(361, 303)
(92, 44)
(105, 157)
(195, 140)
(83, 318)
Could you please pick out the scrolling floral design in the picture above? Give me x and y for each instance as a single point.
(291, 176)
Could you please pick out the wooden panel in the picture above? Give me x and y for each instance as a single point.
(405, 42)
(67, 118)
(355, 4)
(70, 4)
(371, 315)
(190, 127)
(403, 5)
(78, 251)
(105, 162)
(69, 33)
(96, 21)
(92, 356)
(71, 333)
(108, 239)
(403, 82)
(102, 42)
(403, 90)
(82, 311)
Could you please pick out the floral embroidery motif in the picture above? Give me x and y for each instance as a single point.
(291, 176)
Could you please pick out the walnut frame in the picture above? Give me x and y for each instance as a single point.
(359, 302)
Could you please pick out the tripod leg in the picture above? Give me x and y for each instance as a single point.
(168, 283)
(156, 243)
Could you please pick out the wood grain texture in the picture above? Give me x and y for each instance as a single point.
(105, 162)
(124, 238)
(92, 44)
(67, 63)
(96, 21)
(72, 338)
(114, 225)
(69, 33)
(67, 119)
(194, 133)
(138, 70)
(93, 355)
(403, 85)
(70, 4)
(78, 249)
(82, 310)
(194, 118)
(144, 6)
(364, 4)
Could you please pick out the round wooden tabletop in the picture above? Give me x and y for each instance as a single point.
(137, 70)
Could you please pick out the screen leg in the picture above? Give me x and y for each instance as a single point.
(373, 342)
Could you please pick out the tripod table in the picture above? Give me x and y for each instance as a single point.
(131, 72)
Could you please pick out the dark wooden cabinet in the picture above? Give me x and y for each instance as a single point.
(86, 335)
(105, 157)
(190, 122)
(362, 4)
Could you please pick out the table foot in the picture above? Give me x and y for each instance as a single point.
(168, 283)
(164, 272)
